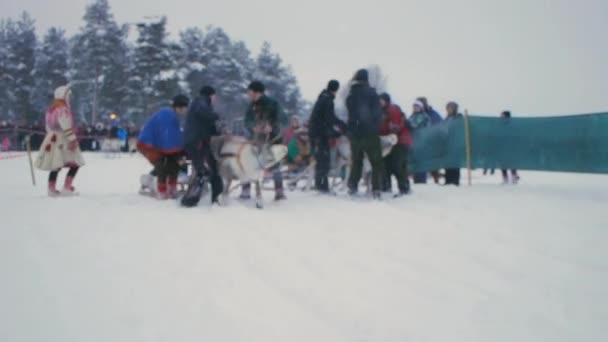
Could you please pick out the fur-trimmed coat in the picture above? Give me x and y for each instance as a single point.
(55, 152)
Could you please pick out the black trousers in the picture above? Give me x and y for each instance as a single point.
(54, 174)
(396, 164)
(452, 177)
(360, 147)
(205, 165)
(320, 146)
(167, 167)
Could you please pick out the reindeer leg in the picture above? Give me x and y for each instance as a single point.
(226, 193)
(259, 202)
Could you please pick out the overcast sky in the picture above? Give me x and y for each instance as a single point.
(536, 57)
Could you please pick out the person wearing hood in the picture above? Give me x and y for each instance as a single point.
(323, 126)
(60, 148)
(201, 125)
(396, 161)
(433, 115)
(294, 126)
(418, 120)
(162, 143)
(364, 120)
(452, 175)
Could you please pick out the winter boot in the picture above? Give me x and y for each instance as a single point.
(172, 188)
(245, 192)
(161, 191)
(68, 188)
(52, 190)
(279, 195)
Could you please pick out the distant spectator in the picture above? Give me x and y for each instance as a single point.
(419, 119)
(505, 173)
(452, 176)
(433, 115)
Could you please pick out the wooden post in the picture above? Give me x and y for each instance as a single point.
(467, 130)
(29, 156)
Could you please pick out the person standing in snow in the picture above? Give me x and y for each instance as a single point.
(418, 120)
(435, 119)
(201, 125)
(263, 120)
(60, 146)
(323, 126)
(364, 119)
(162, 143)
(433, 115)
(506, 115)
(396, 161)
(452, 175)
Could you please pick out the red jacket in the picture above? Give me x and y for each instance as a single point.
(394, 123)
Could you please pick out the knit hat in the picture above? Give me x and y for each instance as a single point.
(257, 86)
(419, 104)
(333, 86)
(62, 92)
(180, 101)
(362, 76)
(207, 91)
(386, 97)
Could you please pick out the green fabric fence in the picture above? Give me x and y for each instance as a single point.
(577, 143)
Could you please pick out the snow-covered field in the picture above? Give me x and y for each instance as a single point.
(485, 263)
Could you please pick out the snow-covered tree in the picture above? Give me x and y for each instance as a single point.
(20, 44)
(51, 68)
(228, 67)
(5, 78)
(99, 63)
(279, 80)
(154, 76)
(212, 58)
(190, 60)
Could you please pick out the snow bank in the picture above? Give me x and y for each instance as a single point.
(487, 263)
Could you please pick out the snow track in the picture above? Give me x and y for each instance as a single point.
(487, 263)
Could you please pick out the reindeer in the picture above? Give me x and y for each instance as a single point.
(245, 161)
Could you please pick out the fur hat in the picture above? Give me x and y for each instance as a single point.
(207, 91)
(361, 76)
(333, 86)
(257, 86)
(62, 92)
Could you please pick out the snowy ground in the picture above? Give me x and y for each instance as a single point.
(486, 263)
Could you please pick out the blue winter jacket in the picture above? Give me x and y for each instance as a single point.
(435, 117)
(162, 132)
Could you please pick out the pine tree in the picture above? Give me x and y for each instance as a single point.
(5, 78)
(279, 80)
(190, 60)
(99, 63)
(51, 67)
(154, 78)
(228, 67)
(20, 43)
